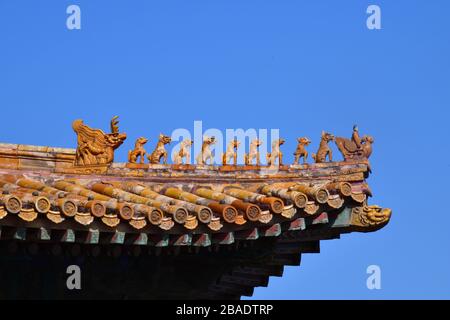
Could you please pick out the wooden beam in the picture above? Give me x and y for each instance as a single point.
(243, 279)
(310, 246)
(266, 270)
(287, 248)
(286, 260)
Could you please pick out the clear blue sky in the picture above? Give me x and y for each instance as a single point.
(301, 66)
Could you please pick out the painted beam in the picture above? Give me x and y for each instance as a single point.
(68, 236)
(272, 231)
(44, 234)
(181, 240)
(201, 240)
(223, 238)
(20, 234)
(158, 240)
(343, 219)
(320, 219)
(250, 234)
(118, 238)
(297, 224)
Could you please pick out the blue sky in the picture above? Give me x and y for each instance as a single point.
(300, 66)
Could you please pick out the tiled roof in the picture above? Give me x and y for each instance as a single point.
(265, 217)
(197, 205)
(190, 206)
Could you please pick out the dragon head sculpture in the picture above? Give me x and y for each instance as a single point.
(96, 147)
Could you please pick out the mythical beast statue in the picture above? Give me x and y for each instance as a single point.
(355, 148)
(94, 146)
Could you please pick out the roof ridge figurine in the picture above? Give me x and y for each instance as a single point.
(324, 149)
(275, 153)
(356, 147)
(138, 151)
(301, 150)
(184, 153)
(253, 153)
(94, 147)
(231, 152)
(160, 150)
(206, 153)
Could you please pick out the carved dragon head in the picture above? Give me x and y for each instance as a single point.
(115, 138)
(375, 215)
(95, 146)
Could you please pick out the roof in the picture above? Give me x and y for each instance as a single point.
(268, 215)
(194, 205)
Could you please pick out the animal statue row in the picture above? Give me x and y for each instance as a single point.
(96, 147)
(352, 149)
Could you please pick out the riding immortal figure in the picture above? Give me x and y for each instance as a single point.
(356, 147)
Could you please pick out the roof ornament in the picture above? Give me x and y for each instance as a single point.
(138, 151)
(206, 153)
(301, 150)
(276, 153)
(231, 152)
(160, 151)
(184, 153)
(324, 149)
(253, 153)
(94, 147)
(355, 148)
